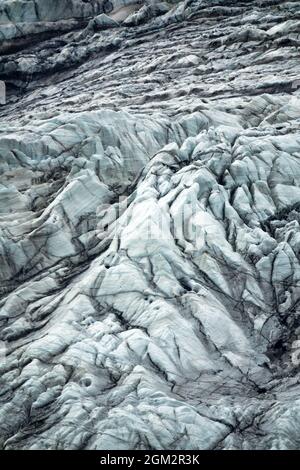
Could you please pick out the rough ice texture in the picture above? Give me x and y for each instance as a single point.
(185, 339)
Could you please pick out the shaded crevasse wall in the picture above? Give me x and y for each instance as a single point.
(19, 18)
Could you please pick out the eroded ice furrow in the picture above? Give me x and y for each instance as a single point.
(149, 232)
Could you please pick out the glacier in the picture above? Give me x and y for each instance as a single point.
(149, 224)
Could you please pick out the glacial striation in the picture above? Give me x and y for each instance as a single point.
(149, 224)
